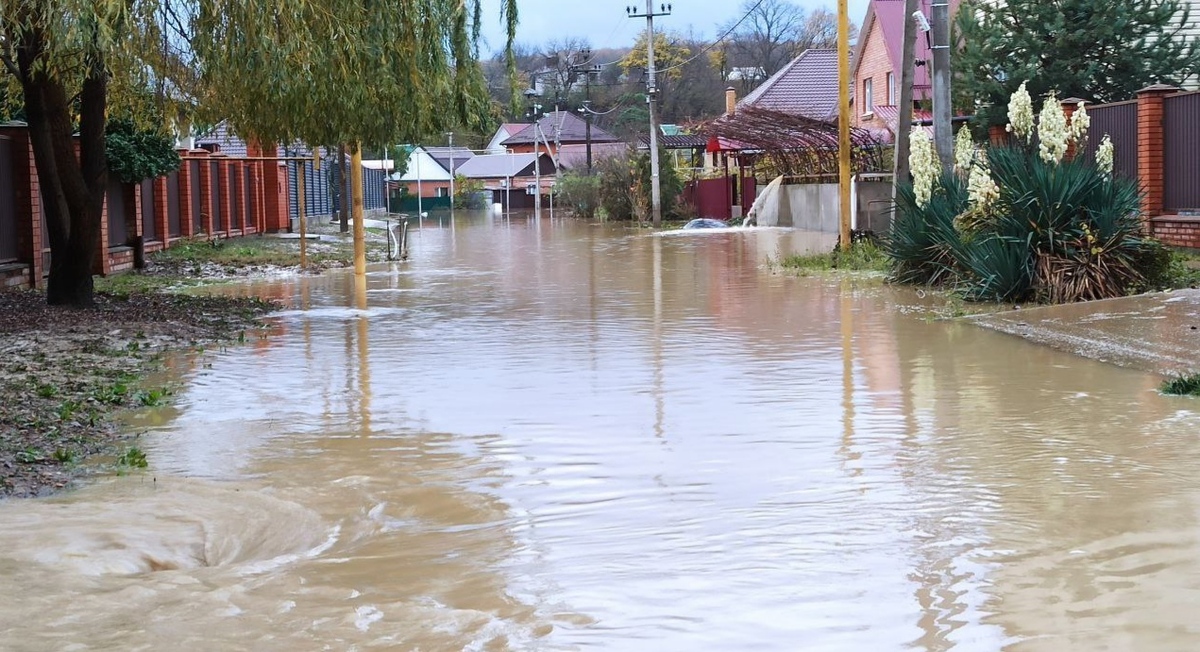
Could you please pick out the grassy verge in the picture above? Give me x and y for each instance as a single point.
(863, 256)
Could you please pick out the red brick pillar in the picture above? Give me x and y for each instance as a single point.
(274, 193)
(997, 135)
(1068, 106)
(187, 220)
(162, 224)
(1150, 148)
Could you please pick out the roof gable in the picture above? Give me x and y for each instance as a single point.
(806, 86)
(561, 126)
(423, 167)
(883, 27)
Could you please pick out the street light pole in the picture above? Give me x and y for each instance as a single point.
(652, 99)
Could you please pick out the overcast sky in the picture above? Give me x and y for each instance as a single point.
(604, 23)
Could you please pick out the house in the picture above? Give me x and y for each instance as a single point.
(553, 130)
(450, 158)
(506, 131)
(424, 176)
(501, 174)
(806, 86)
(875, 68)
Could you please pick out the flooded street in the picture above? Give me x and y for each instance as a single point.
(561, 436)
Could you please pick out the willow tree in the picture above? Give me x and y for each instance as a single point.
(318, 71)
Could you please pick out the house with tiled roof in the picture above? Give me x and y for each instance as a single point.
(806, 86)
(503, 133)
(875, 67)
(554, 129)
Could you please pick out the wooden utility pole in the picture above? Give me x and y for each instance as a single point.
(844, 124)
(356, 211)
(943, 139)
(907, 71)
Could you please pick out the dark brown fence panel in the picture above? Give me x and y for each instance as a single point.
(215, 196)
(197, 204)
(174, 228)
(251, 197)
(1119, 122)
(117, 234)
(8, 205)
(1181, 165)
(149, 225)
(236, 188)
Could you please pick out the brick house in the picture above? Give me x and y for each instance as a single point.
(875, 67)
(553, 130)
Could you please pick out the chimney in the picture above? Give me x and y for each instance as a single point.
(730, 100)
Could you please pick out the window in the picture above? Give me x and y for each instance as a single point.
(891, 82)
(443, 192)
(868, 99)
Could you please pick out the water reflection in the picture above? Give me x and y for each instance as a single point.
(541, 434)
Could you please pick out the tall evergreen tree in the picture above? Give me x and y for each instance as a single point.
(1098, 50)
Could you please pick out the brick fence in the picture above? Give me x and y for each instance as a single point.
(1155, 138)
(211, 195)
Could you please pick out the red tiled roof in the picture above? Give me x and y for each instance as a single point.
(891, 115)
(806, 86)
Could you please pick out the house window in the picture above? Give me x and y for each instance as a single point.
(443, 192)
(868, 99)
(891, 82)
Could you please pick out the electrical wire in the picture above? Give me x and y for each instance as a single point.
(715, 41)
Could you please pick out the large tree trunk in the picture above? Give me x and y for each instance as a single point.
(72, 187)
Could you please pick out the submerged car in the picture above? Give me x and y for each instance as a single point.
(705, 223)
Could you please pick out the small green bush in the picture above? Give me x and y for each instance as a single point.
(581, 193)
(1182, 385)
(135, 154)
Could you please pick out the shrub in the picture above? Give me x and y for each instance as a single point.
(1028, 225)
(625, 188)
(135, 154)
(580, 192)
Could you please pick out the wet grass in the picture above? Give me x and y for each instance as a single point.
(238, 252)
(1188, 385)
(1183, 270)
(863, 256)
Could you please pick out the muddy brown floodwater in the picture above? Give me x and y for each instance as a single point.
(558, 436)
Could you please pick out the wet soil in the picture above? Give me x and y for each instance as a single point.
(65, 373)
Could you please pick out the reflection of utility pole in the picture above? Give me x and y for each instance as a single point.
(943, 140)
(652, 99)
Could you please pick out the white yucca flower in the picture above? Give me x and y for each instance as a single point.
(964, 151)
(1020, 113)
(1104, 156)
(922, 163)
(1053, 132)
(981, 189)
(1080, 122)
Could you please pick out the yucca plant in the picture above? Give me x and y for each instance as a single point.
(923, 238)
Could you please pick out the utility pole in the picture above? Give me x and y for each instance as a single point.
(588, 71)
(534, 109)
(843, 52)
(652, 99)
(907, 72)
(450, 140)
(356, 210)
(943, 139)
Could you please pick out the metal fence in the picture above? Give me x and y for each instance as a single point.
(1181, 141)
(1119, 122)
(8, 205)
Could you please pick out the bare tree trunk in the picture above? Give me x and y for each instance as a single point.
(72, 188)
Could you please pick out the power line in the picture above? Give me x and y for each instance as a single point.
(717, 40)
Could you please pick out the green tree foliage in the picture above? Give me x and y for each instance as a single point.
(1096, 50)
(327, 71)
(625, 190)
(580, 192)
(136, 153)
